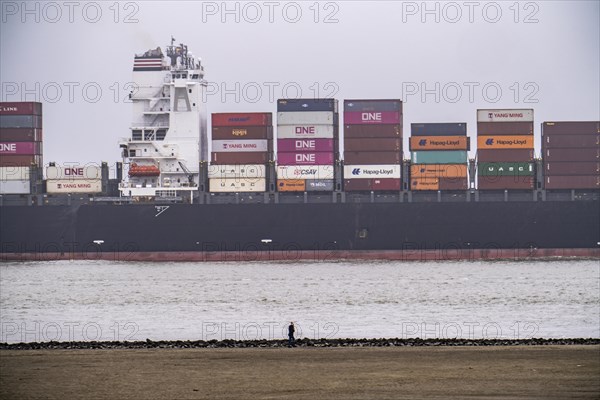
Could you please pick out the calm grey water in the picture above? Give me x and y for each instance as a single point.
(99, 300)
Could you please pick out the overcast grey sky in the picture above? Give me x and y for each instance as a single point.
(538, 54)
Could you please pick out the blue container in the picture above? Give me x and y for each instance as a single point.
(372, 105)
(439, 129)
(307, 105)
(439, 157)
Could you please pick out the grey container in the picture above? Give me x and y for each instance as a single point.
(439, 129)
(20, 121)
(319, 185)
(373, 105)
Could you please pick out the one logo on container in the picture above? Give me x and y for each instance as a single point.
(305, 130)
(423, 142)
(356, 171)
(489, 142)
(8, 148)
(371, 116)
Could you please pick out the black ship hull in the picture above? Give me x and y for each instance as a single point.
(299, 231)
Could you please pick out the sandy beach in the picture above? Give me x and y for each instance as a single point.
(542, 372)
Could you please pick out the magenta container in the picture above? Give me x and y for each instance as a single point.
(305, 145)
(323, 158)
(372, 117)
(19, 148)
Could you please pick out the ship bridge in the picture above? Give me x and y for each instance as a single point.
(168, 135)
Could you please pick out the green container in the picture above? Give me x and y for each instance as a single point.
(439, 157)
(505, 169)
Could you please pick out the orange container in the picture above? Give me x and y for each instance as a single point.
(291, 185)
(438, 171)
(418, 143)
(505, 142)
(439, 183)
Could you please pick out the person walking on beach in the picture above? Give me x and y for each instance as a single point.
(291, 339)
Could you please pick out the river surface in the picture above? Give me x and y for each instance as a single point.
(99, 300)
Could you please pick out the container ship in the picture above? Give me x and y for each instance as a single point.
(292, 185)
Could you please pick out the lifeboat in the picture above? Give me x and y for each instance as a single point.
(143, 170)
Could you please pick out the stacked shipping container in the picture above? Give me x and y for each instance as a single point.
(439, 156)
(242, 147)
(307, 144)
(372, 145)
(73, 179)
(20, 145)
(571, 155)
(505, 149)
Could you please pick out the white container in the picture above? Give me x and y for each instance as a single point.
(305, 172)
(238, 146)
(305, 117)
(392, 171)
(14, 173)
(15, 187)
(236, 185)
(73, 172)
(237, 171)
(306, 131)
(74, 186)
(508, 115)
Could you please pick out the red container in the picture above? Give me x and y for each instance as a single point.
(20, 161)
(240, 158)
(371, 158)
(504, 128)
(305, 145)
(570, 141)
(373, 144)
(242, 119)
(571, 168)
(372, 131)
(504, 182)
(581, 154)
(454, 184)
(372, 117)
(325, 158)
(351, 185)
(242, 132)
(20, 148)
(510, 155)
(20, 108)
(572, 182)
(571, 128)
(20, 135)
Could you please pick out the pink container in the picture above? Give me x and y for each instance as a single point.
(305, 145)
(19, 148)
(305, 158)
(372, 117)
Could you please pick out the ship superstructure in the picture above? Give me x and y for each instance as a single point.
(168, 132)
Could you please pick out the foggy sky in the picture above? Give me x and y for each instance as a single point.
(366, 50)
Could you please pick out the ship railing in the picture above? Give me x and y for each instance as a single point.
(149, 126)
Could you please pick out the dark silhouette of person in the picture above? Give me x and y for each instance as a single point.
(291, 339)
